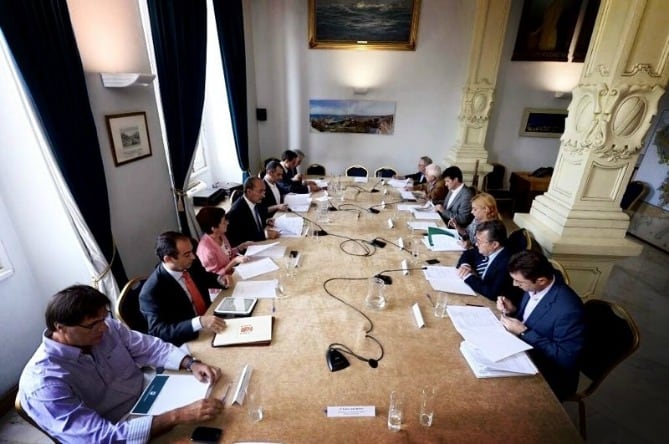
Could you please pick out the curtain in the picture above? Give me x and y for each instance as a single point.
(40, 37)
(179, 33)
(230, 24)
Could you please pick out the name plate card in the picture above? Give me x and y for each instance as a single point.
(418, 316)
(350, 411)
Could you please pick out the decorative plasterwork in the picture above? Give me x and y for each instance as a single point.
(610, 121)
(477, 104)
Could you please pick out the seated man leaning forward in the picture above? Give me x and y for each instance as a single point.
(419, 176)
(457, 207)
(484, 268)
(175, 296)
(549, 318)
(249, 219)
(85, 377)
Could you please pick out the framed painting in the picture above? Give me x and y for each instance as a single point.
(546, 30)
(128, 137)
(352, 116)
(538, 122)
(372, 24)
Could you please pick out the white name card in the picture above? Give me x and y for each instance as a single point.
(418, 316)
(350, 411)
(390, 223)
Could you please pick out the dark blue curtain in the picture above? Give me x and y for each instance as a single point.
(40, 36)
(230, 25)
(179, 29)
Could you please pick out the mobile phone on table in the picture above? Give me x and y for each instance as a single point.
(206, 434)
(432, 261)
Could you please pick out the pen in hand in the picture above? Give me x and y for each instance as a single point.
(429, 298)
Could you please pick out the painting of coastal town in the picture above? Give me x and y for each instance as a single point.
(352, 116)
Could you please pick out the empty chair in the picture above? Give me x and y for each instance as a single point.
(493, 184)
(519, 240)
(357, 171)
(385, 171)
(633, 193)
(315, 169)
(23, 414)
(127, 305)
(611, 335)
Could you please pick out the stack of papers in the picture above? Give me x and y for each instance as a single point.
(266, 250)
(168, 392)
(407, 195)
(255, 268)
(398, 183)
(289, 226)
(298, 202)
(425, 214)
(489, 349)
(407, 207)
(446, 279)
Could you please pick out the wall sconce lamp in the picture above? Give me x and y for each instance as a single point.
(562, 95)
(360, 91)
(126, 79)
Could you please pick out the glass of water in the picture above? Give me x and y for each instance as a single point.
(254, 402)
(395, 412)
(427, 400)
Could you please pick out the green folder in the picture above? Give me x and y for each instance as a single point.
(436, 230)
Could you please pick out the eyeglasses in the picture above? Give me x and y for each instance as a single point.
(94, 324)
(482, 241)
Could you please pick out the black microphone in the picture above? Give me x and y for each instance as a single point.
(332, 206)
(388, 280)
(386, 203)
(320, 232)
(374, 190)
(391, 243)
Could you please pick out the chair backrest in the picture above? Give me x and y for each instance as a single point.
(127, 305)
(633, 193)
(23, 414)
(385, 171)
(357, 171)
(236, 194)
(316, 169)
(519, 240)
(611, 336)
(558, 266)
(494, 180)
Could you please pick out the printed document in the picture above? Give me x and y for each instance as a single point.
(272, 249)
(255, 268)
(168, 392)
(255, 289)
(516, 365)
(446, 279)
(442, 242)
(298, 202)
(289, 226)
(255, 330)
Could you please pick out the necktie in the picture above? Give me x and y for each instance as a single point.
(482, 266)
(195, 294)
(257, 217)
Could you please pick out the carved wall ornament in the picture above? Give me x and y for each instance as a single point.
(478, 102)
(642, 67)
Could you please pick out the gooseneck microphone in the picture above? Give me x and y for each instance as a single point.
(388, 280)
(373, 189)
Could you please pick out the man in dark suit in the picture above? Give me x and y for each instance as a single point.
(176, 295)
(457, 207)
(419, 176)
(549, 318)
(273, 200)
(484, 268)
(292, 181)
(248, 218)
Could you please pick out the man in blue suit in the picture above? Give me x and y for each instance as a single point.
(549, 318)
(484, 268)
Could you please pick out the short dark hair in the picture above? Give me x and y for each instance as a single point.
(209, 218)
(426, 159)
(72, 305)
(166, 244)
(452, 172)
(272, 165)
(494, 229)
(532, 265)
(288, 155)
(251, 183)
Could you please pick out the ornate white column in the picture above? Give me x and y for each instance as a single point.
(579, 221)
(484, 56)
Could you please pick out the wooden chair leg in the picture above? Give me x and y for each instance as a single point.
(581, 419)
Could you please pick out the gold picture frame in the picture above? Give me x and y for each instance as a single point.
(336, 24)
(541, 122)
(128, 137)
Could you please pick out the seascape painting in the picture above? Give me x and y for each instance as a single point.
(372, 24)
(352, 116)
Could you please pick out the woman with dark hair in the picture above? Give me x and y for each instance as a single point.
(214, 250)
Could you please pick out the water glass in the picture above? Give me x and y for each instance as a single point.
(395, 412)
(415, 247)
(426, 412)
(441, 305)
(375, 298)
(254, 402)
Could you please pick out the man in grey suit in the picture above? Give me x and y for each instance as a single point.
(457, 207)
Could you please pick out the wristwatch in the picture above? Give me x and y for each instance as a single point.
(189, 363)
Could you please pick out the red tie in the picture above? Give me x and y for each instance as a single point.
(195, 295)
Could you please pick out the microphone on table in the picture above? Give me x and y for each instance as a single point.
(320, 232)
(373, 189)
(332, 206)
(388, 280)
(382, 204)
(392, 243)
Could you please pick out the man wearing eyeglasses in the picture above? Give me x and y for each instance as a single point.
(484, 268)
(85, 376)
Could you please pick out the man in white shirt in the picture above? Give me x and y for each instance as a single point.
(273, 200)
(457, 206)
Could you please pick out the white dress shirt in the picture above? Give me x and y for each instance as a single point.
(535, 298)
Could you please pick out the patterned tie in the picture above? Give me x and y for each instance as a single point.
(196, 296)
(482, 266)
(256, 213)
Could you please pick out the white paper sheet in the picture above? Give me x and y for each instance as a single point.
(425, 215)
(360, 179)
(406, 207)
(289, 226)
(255, 289)
(398, 183)
(407, 195)
(257, 249)
(445, 279)
(298, 202)
(255, 268)
(177, 391)
(420, 225)
(518, 364)
(442, 242)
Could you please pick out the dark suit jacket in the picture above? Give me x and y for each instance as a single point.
(166, 306)
(497, 281)
(242, 226)
(288, 185)
(460, 208)
(417, 177)
(556, 330)
(269, 199)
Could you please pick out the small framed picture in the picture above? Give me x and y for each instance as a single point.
(539, 122)
(128, 137)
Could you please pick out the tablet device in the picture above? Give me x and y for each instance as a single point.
(236, 306)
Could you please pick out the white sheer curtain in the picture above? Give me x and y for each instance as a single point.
(100, 270)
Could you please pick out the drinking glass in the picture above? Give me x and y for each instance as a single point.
(441, 306)
(375, 298)
(254, 402)
(395, 412)
(427, 400)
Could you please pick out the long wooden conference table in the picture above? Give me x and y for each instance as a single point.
(297, 385)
